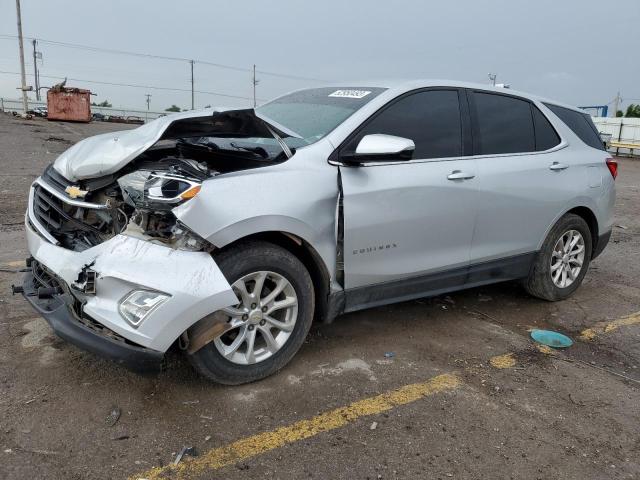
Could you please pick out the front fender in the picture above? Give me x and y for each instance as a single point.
(284, 198)
(264, 223)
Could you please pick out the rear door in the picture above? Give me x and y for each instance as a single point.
(525, 180)
(407, 219)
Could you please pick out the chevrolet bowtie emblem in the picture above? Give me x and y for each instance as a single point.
(75, 192)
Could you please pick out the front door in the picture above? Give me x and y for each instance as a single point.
(407, 220)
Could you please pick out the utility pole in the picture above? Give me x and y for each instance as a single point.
(35, 70)
(616, 104)
(146, 118)
(25, 101)
(255, 83)
(192, 92)
(492, 77)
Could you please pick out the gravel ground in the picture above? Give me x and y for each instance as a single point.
(569, 415)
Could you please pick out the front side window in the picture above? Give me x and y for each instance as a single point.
(505, 124)
(430, 118)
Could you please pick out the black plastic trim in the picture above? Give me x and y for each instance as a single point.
(602, 242)
(510, 268)
(56, 311)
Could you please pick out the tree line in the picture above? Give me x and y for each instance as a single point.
(633, 111)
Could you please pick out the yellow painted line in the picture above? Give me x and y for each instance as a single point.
(324, 422)
(547, 350)
(607, 327)
(588, 334)
(506, 360)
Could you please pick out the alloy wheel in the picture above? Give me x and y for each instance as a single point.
(262, 321)
(567, 258)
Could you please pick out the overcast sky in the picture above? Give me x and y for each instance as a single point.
(577, 51)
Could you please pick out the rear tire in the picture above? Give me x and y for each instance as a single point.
(555, 274)
(248, 261)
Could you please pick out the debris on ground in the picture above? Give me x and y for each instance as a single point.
(373, 426)
(623, 227)
(58, 140)
(484, 298)
(389, 354)
(190, 451)
(38, 451)
(449, 300)
(113, 417)
(485, 315)
(551, 338)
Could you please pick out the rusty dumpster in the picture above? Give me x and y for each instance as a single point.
(68, 104)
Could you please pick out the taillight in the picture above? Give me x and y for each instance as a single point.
(612, 165)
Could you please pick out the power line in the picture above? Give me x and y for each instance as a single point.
(162, 57)
(132, 85)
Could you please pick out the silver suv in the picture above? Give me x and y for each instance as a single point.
(227, 232)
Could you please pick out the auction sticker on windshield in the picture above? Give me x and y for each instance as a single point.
(350, 93)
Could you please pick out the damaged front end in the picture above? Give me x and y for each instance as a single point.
(129, 182)
(112, 268)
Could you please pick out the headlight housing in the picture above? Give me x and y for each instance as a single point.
(170, 188)
(157, 190)
(138, 305)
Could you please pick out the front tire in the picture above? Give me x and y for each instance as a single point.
(563, 260)
(269, 324)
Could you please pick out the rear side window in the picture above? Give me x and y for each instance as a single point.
(430, 118)
(580, 123)
(505, 124)
(546, 136)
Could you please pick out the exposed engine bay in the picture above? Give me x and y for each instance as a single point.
(138, 199)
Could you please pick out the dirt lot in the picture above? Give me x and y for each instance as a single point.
(571, 415)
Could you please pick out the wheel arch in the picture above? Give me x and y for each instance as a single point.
(588, 215)
(309, 257)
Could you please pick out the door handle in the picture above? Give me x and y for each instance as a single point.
(460, 175)
(558, 166)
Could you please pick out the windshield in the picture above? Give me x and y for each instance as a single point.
(313, 113)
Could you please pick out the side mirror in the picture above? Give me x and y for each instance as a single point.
(379, 147)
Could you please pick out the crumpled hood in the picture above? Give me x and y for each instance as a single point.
(107, 153)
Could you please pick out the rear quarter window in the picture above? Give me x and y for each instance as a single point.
(580, 124)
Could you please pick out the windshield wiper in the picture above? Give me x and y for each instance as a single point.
(285, 148)
(257, 150)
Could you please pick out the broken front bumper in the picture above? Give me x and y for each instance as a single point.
(58, 311)
(195, 285)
